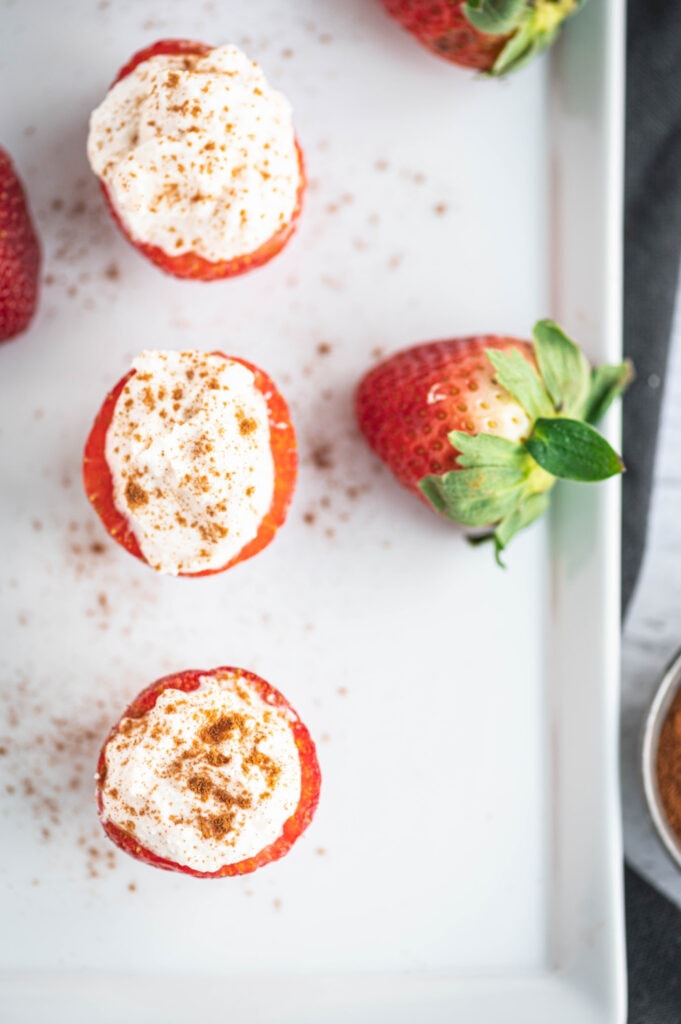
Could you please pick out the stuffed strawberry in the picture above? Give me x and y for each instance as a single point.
(191, 462)
(19, 255)
(496, 36)
(198, 160)
(481, 428)
(209, 774)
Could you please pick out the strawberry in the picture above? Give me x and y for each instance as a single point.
(496, 36)
(481, 428)
(19, 254)
(190, 265)
(99, 487)
(204, 768)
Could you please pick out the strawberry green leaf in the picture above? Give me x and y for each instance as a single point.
(521, 380)
(607, 384)
(537, 29)
(432, 488)
(572, 450)
(533, 506)
(475, 497)
(519, 50)
(563, 366)
(495, 17)
(488, 450)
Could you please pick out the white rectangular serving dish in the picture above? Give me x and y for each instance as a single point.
(465, 862)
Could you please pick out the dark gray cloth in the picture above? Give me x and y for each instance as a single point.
(654, 938)
(652, 248)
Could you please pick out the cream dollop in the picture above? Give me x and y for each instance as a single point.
(188, 448)
(205, 778)
(198, 154)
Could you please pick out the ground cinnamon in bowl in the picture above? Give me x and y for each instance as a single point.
(661, 759)
(668, 765)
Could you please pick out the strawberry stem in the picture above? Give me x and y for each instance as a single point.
(531, 26)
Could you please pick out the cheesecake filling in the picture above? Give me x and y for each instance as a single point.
(191, 464)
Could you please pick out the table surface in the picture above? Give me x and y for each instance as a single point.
(652, 632)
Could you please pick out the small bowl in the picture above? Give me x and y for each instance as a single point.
(666, 691)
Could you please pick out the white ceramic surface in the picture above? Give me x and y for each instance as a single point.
(465, 861)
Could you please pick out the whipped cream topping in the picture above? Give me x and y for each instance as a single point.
(198, 154)
(205, 778)
(189, 452)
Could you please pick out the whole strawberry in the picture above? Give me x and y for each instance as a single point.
(496, 36)
(19, 255)
(481, 428)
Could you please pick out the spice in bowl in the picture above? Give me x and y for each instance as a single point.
(668, 765)
(661, 760)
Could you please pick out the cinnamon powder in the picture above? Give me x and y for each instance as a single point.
(668, 766)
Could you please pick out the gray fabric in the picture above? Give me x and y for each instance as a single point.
(652, 249)
(654, 938)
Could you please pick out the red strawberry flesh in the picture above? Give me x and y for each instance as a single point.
(444, 28)
(19, 255)
(407, 405)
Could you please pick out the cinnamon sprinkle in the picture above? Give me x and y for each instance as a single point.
(220, 728)
(135, 495)
(247, 425)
